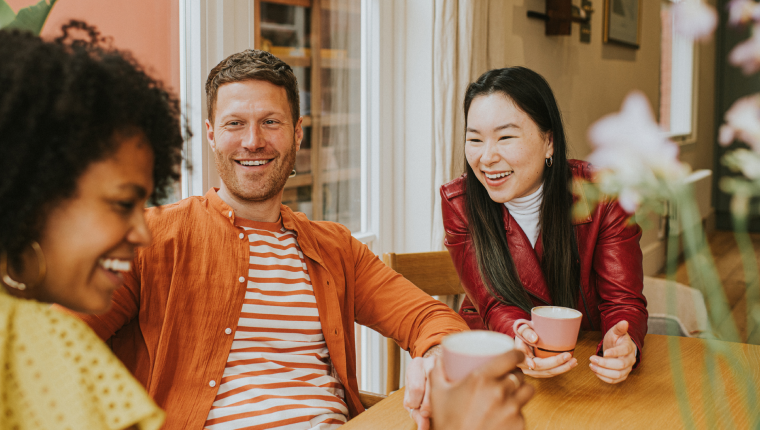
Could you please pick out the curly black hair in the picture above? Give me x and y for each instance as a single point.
(65, 104)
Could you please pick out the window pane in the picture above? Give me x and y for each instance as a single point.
(681, 86)
(340, 111)
(324, 49)
(284, 26)
(666, 49)
(676, 78)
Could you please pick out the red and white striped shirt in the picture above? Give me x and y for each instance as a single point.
(278, 373)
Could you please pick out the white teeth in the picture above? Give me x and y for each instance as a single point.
(254, 163)
(498, 175)
(115, 265)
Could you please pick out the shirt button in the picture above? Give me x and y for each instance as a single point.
(241, 279)
(241, 235)
(227, 330)
(230, 214)
(212, 383)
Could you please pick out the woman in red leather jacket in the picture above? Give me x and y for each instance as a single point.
(516, 240)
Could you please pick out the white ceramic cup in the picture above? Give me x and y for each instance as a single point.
(466, 351)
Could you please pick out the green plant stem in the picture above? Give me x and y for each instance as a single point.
(702, 267)
(739, 210)
(674, 346)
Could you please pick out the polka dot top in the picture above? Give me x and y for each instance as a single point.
(55, 373)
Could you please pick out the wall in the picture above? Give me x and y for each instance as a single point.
(591, 80)
(147, 28)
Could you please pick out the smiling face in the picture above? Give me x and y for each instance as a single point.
(254, 139)
(505, 148)
(89, 239)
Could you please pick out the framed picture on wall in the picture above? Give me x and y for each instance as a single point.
(622, 22)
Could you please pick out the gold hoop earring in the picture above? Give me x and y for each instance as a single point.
(7, 280)
(549, 161)
(292, 174)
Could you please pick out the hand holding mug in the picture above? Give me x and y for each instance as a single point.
(619, 355)
(488, 398)
(540, 367)
(548, 340)
(461, 354)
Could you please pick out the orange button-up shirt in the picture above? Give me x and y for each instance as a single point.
(169, 323)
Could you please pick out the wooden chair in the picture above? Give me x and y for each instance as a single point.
(433, 273)
(370, 399)
(690, 317)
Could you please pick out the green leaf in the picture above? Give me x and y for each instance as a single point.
(7, 14)
(32, 18)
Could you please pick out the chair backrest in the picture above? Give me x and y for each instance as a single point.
(433, 273)
(688, 315)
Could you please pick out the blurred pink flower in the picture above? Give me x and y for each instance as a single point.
(747, 54)
(633, 153)
(743, 11)
(694, 19)
(742, 123)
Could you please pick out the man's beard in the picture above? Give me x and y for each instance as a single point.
(256, 188)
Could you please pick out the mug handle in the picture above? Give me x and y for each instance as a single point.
(517, 325)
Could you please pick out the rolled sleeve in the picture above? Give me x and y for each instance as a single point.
(391, 305)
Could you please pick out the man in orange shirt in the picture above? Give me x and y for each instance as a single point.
(241, 313)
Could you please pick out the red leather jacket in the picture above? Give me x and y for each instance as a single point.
(611, 265)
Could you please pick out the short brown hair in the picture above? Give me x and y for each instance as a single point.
(253, 64)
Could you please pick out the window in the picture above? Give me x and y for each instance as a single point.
(324, 49)
(677, 78)
(321, 41)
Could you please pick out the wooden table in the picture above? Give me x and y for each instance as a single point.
(646, 400)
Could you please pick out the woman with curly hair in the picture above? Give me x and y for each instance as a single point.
(516, 242)
(86, 139)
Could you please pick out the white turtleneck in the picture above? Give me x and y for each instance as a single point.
(525, 210)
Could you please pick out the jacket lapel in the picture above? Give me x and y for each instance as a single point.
(525, 259)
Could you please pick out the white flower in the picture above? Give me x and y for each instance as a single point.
(743, 11)
(633, 153)
(747, 54)
(747, 162)
(743, 122)
(694, 19)
(629, 200)
(741, 160)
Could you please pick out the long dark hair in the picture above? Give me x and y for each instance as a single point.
(531, 93)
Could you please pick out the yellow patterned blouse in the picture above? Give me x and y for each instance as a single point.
(55, 373)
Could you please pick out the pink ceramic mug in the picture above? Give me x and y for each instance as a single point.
(466, 351)
(557, 329)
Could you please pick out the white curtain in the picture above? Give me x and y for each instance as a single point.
(460, 48)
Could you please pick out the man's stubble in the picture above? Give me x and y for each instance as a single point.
(252, 189)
